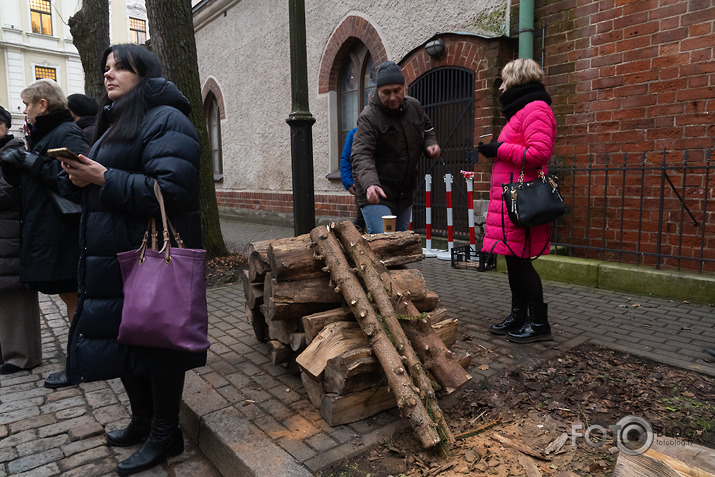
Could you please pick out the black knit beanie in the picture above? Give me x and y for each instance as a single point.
(5, 117)
(81, 105)
(388, 73)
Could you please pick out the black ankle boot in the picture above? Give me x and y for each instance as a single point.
(137, 430)
(514, 321)
(536, 327)
(162, 443)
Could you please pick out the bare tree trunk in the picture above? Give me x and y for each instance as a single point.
(90, 34)
(174, 44)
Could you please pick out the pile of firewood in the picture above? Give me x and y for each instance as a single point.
(303, 295)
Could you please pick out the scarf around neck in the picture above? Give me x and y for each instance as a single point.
(516, 97)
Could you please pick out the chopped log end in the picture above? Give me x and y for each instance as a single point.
(363, 314)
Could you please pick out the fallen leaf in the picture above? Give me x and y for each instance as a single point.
(483, 367)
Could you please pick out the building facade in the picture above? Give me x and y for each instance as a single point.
(36, 43)
(631, 81)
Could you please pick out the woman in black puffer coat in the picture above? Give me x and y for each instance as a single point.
(143, 134)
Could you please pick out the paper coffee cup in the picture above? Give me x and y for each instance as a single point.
(389, 223)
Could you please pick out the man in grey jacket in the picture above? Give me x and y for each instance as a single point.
(392, 134)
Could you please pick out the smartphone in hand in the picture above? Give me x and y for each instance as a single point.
(63, 154)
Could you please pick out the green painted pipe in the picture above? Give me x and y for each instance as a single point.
(526, 29)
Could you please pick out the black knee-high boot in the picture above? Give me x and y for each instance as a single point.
(516, 318)
(536, 327)
(140, 399)
(165, 439)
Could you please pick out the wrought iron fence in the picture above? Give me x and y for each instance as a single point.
(657, 213)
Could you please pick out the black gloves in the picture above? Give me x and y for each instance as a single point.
(489, 150)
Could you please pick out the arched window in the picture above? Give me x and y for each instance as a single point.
(213, 124)
(354, 86)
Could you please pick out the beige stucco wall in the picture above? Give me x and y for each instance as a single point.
(244, 46)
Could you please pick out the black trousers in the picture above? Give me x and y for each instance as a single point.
(524, 280)
(156, 398)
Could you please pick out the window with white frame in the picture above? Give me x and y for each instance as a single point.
(137, 31)
(45, 72)
(41, 16)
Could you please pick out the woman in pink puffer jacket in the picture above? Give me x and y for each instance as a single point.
(529, 134)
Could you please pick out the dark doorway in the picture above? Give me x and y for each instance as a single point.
(447, 95)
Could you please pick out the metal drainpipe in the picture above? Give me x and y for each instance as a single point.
(526, 29)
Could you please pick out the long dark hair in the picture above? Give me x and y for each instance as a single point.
(125, 114)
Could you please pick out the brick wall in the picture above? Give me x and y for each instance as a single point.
(326, 205)
(628, 75)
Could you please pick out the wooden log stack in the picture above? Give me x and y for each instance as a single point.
(300, 310)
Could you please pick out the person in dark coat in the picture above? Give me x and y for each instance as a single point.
(84, 113)
(143, 134)
(50, 238)
(20, 338)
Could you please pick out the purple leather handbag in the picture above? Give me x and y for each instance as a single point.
(164, 292)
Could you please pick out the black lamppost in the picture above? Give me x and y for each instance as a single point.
(301, 123)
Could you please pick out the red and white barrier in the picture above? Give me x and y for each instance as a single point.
(448, 179)
(428, 218)
(469, 178)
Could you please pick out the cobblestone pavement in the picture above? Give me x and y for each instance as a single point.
(249, 417)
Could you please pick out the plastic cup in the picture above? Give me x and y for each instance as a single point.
(389, 223)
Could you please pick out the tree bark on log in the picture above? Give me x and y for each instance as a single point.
(422, 339)
(406, 394)
(293, 259)
(294, 300)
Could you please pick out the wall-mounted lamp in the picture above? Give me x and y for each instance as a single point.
(435, 48)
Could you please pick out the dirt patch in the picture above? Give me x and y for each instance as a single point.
(581, 389)
(222, 271)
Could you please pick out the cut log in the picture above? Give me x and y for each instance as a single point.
(422, 339)
(437, 315)
(314, 389)
(256, 319)
(667, 457)
(407, 396)
(335, 339)
(252, 291)
(358, 369)
(358, 363)
(446, 331)
(293, 300)
(280, 329)
(314, 323)
(278, 352)
(257, 267)
(428, 303)
(337, 410)
(293, 259)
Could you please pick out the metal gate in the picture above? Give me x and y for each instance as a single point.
(447, 96)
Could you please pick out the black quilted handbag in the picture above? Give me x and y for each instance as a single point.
(535, 202)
